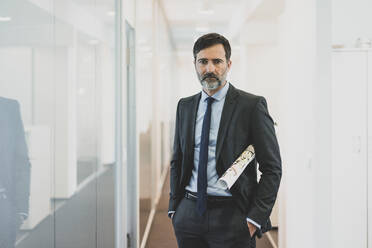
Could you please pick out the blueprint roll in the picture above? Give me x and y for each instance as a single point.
(236, 169)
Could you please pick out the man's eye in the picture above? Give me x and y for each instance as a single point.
(204, 62)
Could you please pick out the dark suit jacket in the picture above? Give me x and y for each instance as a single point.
(245, 120)
(14, 162)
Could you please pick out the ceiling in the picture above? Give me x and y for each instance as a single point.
(190, 19)
(35, 22)
(187, 20)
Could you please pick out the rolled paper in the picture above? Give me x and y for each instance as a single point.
(232, 174)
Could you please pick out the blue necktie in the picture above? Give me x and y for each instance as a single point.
(203, 160)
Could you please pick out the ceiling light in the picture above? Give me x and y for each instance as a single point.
(5, 18)
(110, 13)
(145, 48)
(142, 41)
(81, 91)
(93, 42)
(202, 29)
(206, 11)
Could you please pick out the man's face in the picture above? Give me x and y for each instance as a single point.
(211, 67)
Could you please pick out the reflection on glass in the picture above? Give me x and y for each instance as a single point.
(14, 173)
(57, 61)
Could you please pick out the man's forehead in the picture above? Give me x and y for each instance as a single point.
(213, 52)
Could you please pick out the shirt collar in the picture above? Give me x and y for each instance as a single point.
(219, 95)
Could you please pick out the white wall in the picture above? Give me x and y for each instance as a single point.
(187, 82)
(16, 78)
(322, 104)
(297, 41)
(305, 122)
(44, 86)
(351, 20)
(107, 89)
(260, 74)
(155, 84)
(129, 11)
(145, 85)
(65, 159)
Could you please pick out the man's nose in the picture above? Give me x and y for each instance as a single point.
(210, 67)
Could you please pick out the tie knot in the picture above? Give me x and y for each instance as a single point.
(210, 100)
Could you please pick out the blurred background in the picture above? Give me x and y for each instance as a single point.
(98, 81)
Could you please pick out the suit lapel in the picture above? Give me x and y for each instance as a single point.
(227, 112)
(190, 122)
(195, 105)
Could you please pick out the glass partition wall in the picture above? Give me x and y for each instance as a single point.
(57, 60)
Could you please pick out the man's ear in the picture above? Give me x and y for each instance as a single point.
(229, 63)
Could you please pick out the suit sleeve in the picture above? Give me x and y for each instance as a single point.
(175, 166)
(21, 165)
(268, 157)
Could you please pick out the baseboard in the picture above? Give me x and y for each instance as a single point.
(153, 210)
(271, 240)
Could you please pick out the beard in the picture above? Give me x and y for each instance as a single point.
(210, 81)
(211, 85)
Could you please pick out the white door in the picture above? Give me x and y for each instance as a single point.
(349, 130)
(369, 157)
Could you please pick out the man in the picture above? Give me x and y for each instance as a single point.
(14, 172)
(212, 129)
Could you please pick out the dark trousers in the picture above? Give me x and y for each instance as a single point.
(223, 226)
(8, 228)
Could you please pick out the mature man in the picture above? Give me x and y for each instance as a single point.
(212, 129)
(14, 172)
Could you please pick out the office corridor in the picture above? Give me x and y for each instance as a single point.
(90, 104)
(162, 234)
